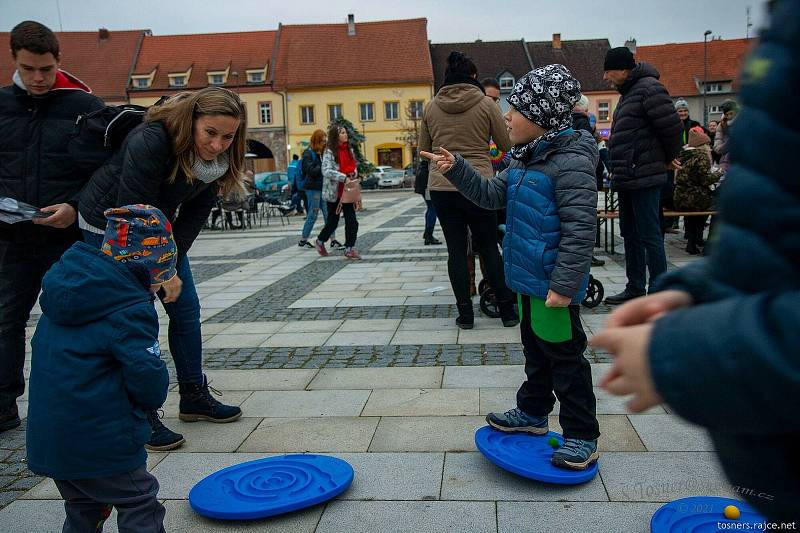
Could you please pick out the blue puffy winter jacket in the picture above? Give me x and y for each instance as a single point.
(95, 370)
(551, 213)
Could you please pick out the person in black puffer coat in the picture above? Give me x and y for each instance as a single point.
(645, 140)
(187, 150)
(37, 117)
(719, 345)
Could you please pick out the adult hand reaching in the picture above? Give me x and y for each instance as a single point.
(172, 290)
(63, 216)
(443, 160)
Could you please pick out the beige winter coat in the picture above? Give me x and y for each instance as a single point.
(463, 120)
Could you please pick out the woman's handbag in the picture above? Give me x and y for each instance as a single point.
(350, 195)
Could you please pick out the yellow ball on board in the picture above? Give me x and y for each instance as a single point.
(732, 512)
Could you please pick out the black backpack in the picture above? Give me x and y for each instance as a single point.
(97, 135)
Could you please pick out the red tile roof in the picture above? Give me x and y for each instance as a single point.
(681, 64)
(103, 64)
(204, 52)
(320, 55)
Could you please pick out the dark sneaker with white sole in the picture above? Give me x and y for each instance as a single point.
(518, 421)
(576, 454)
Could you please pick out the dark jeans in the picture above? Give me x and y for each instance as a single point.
(695, 227)
(22, 267)
(559, 367)
(350, 224)
(456, 214)
(644, 243)
(185, 340)
(430, 216)
(299, 201)
(88, 503)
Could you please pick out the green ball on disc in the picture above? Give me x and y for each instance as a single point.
(552, 441)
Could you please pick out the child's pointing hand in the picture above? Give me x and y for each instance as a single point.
(444, 160)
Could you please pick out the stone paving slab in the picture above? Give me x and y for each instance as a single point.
(358, 338)
(394, 476)
(662, 476)
(293, 339)
(443, 336)
(209, 437)
(181, 519)
(314, 435)
(254, 380)
(470, 476)
(384, 378)
(667, 433)
(403, 517)
(616, 434)
(311, 326)
(422, 402)
(513, 517)
(468, 377)
(277, 404)
(179, 472)
(426, 434)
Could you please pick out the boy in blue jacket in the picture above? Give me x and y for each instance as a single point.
(720, 342)
(550, 196)
(96, 372)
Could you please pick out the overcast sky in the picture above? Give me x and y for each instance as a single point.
(650, 21)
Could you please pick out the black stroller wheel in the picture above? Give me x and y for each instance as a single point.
(483, 286)
(594, 293)
(488, 304)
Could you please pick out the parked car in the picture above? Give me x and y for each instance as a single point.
(381, 170)
(271, 183)
(370, 182)
(409, 176)
(391, 178)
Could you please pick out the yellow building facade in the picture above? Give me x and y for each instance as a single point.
(382, 113)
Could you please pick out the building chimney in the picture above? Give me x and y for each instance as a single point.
(351, 25)
(103, 34)
(630, 44)
(556, 41)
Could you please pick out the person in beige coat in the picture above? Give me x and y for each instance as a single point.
(462, 118)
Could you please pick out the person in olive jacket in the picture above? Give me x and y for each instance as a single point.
(645, 140)
(187, 150)
(37, 113)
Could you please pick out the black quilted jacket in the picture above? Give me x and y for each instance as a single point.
(646, 133)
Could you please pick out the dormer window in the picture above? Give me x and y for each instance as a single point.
(506, 82)
(177, 81)
(216, 79)
(142, 81)
(255, 77)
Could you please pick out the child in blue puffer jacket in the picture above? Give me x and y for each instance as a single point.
(550, 197)
(96, 372)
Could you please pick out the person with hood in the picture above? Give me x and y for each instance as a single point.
(551, 199)
(718, 343)
(186, 151)
(693, 186)
(37, 114)
(464, 119)
(96, 372)
(645, 140)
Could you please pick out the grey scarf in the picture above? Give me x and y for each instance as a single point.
(209, 171)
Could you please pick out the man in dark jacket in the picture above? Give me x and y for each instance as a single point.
(645, 140)
(724, 354)
(37, 113)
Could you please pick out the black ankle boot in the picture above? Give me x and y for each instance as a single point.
(429, 238)
(508, 313)
(198, 404)
(466, 316)
(161, 437)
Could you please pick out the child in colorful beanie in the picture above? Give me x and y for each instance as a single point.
(550, 196)
(96, 372)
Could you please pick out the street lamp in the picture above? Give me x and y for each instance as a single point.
(705, 76)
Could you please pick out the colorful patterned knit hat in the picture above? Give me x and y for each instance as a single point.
(140, 236)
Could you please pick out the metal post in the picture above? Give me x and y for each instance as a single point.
(705, 76)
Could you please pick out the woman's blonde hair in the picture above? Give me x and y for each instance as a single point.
(317, 144)
(178, 115)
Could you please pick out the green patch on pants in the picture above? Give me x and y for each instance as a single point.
(551, 324)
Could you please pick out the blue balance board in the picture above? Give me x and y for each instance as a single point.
(270, 486)
(529, 456)
(700, 514)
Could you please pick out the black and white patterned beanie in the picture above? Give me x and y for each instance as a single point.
(545, 96)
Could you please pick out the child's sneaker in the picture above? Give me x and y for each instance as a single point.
(517, 420)
(321, 248)
(576, 454)
(161, 437)
(352, 254)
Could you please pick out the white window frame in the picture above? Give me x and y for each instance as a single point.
(307, 113)
(173, 80)
(714, 109)
(393, 105)
(506, 83)
(338, 108)
(141, 83)
(418, 106)
(366, 106)
(252, 75)
(604, 106)
(265, 113)
(212, 79)
(715, 87)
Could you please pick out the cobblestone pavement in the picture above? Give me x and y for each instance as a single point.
(262, 283)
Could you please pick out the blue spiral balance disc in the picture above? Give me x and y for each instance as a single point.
(702, 514)
(529, 456)
(270, 486)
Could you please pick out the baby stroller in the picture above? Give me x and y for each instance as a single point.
(488, 301)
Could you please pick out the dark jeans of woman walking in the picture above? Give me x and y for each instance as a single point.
(456, 214)
(350, 224)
